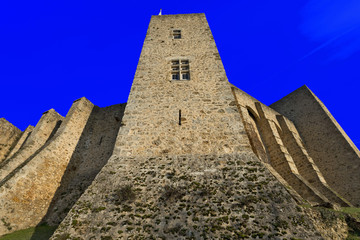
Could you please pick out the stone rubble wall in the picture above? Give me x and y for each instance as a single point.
(162, 159)
(9, 135)
(305, 164)
(196, 179)
(326, 142)
(335, 228)
(26, 196)
(283, 162)
(229, 196)
(227, 167)
(92, 152)
(43, 131)
(276, 140)
(24, 136)
(254, 135)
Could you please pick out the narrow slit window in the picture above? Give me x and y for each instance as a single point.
(180, 70)
(176, 34)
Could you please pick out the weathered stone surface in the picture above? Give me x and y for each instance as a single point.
(24, 136)
(229, 196)
(26, 196)
(328, 223)
(190, 159)
(326, 142)
(190, 174)
(210, 121)
(92, 152)
(9, 135)
(275, 139)
(43, 132)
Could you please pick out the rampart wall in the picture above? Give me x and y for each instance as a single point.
(305, 164)
(9, 135)
(229, 196)
(326, 142)
(24, 136)
(92, 152)
(26, 196)
(276, 141)
(43, 131)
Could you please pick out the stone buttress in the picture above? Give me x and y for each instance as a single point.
(326, 142)
(25, 195)
(9, 135)
(42, 133)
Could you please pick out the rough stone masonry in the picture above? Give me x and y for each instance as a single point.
(191, 157)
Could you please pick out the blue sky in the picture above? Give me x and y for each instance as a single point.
(53, 52)
(335, 24)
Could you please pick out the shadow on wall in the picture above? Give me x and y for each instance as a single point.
(91, 153)
(12, 173)
(255, 136)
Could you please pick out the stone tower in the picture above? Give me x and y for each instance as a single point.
(183, 166)
(180, 101)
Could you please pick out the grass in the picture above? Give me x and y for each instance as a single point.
(34, 233)
(352, 211)
(354, 230)
(353, 237)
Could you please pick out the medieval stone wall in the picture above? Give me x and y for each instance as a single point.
(43, 131)
(305, 164)
(9, 134)
(275, 140)
(26, 196)
(187, 159)
(92, 152)
(192, 175)
(229, 196)
(24, 136)
(331, 149)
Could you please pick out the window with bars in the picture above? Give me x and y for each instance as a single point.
(176, 34)
(180, 70)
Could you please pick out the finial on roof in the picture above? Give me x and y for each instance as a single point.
(160, 11)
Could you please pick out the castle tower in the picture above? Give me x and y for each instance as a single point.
(182, 166)
(180, 101)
